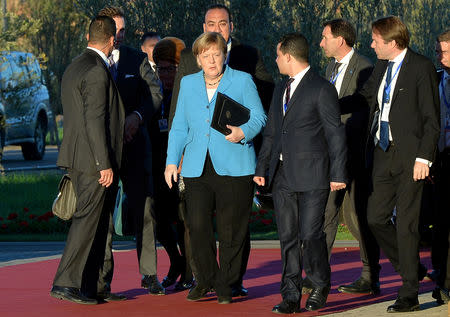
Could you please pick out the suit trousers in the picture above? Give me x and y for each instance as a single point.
(231, 198)
(355, 210)
(440, 248)
(393, 186)
(140, 212)
(300, 217)
(82, 259)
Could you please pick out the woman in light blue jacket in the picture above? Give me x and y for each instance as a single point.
(217, 169)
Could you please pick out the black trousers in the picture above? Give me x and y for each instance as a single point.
(82, 259)
(300, 217)
(393, 186)
(231, 198)
(354, 212)
(440, 249)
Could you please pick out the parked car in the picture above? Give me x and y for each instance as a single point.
(24, 104)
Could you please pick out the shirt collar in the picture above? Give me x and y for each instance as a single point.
(400, 56)
(300, 75)
(346, 59)
(115, 55)
(102, 55)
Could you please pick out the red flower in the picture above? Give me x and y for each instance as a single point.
(254, 213)
(49, 214)
(4, 226)
(12, 216)
(23, 224)
(1, 218)
(25, 209)
(266, 221)
(263, 212)
(31, 216)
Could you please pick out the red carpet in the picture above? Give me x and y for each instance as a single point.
(24, 289)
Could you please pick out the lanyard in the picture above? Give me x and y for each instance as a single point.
(387, 88)
(333, 80)
(443, 95)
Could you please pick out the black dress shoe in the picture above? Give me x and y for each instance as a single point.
(167, 281)
(318, 298)
(436, 294)
(239, 290)
(287, 307)
(404, 304)
(152, 284)
(360, 286)
(71, 294)
(224, 299)
(197, 293)
(110, 297)
(184, 285)
(307, 286)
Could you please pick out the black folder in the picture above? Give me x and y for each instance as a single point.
(228, 111)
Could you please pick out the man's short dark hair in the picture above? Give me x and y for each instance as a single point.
(149, 35)
(296, 45)
(340, 27)
(219, 6)
(391, 28)
(112, 12)
(101, 29)
(444, 36)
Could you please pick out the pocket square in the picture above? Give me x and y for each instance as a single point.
(129, 76)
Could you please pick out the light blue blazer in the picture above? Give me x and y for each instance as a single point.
(191, 131)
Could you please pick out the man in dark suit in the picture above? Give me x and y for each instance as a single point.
(441, 225)
(303, 155)
(140, 92)
(91, 151)
(348, 71)
(402, 94)
(240, 57)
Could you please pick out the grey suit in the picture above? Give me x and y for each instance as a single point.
(353, 200)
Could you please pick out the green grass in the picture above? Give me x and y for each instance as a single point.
(35, 192)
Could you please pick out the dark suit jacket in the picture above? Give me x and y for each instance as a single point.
(310, 136)
(242, 57)
(357, 73)
(138, 86)
(93, 116)
(414, 114)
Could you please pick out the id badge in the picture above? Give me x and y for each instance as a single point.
(163, 126)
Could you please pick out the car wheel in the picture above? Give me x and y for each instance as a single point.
(36, 150)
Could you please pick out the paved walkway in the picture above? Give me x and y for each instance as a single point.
(13, 253)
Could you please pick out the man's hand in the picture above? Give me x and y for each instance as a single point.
(259, 180)
(421, 171)
(337, 186)
(236, 134)
(170, 173)
(132, 122)
(106, 177)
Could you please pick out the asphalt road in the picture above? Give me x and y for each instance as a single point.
(13, 159)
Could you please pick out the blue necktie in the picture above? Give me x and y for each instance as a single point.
(384, 125)
(287, 97)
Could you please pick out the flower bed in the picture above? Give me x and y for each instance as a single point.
(27, 221)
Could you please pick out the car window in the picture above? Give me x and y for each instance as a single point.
(5, 74)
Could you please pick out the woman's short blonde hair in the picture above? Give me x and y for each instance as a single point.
(206, 40)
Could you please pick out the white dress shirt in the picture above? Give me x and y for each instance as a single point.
(342, 69)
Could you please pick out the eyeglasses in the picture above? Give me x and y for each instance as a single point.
(166, 69)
